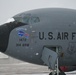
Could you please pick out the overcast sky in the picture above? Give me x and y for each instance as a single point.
(8, 8)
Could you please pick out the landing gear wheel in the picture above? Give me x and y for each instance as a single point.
(50, 73)
(61, 73)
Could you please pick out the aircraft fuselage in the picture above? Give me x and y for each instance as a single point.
(49, 28)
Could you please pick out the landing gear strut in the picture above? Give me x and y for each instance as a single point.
(57, 67)
(50, 58)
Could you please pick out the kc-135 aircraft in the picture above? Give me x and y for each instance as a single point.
(44, 36)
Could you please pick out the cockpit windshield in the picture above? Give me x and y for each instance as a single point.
(26, 18)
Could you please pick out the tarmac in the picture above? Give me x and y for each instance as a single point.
(16, 67)
(23, 68)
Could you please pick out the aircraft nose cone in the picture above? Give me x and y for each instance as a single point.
(5, 31)
(3, 37)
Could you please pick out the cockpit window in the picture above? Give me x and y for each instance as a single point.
(26, 18)
(34, 20)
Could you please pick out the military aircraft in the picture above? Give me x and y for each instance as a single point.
(44, 36)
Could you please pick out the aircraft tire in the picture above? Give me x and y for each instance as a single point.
(61, 73)
(50, 73)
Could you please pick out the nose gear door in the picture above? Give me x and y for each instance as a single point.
(49, 57)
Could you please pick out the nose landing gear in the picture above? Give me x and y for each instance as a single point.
(57, 68)
(50, 58)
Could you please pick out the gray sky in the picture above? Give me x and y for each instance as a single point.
(8, 8)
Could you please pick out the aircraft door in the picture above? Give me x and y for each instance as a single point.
(49, 57)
